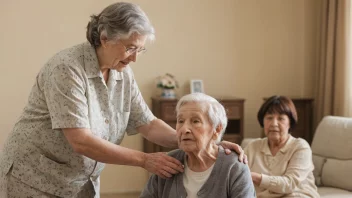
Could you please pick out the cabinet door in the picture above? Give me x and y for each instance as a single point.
(233, 110)
(168, 112)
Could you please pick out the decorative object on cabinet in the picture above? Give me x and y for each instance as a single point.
(164, 109)
(197, 86)
(167, 83)
(304, 126)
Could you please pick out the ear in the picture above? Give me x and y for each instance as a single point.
(103, 40)
(217, 131)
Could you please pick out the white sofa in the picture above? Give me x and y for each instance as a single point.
(332, 157)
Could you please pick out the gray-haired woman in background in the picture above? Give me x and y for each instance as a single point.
(201, 123)
(82, 102)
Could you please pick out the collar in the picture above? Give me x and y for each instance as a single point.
(91, 64)
(266, 150)
(207, 186)
(115, 75)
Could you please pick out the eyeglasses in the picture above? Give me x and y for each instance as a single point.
(131, 50)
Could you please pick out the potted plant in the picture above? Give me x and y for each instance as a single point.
(167, 83)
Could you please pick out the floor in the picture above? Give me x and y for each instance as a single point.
(129, 195)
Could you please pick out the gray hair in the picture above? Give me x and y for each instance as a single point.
(214, 110)
(119, 21)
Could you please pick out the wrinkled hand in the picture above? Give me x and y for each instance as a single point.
(256, 178)
(162, 165)
(235, 147)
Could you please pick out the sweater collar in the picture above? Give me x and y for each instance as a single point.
(266, 149)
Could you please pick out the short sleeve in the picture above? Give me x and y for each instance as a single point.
(140, 113)
(64, 91)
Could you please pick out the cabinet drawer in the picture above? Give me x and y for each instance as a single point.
(233, 111)
(233, 138)
(168, 112)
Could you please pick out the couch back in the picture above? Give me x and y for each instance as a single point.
(332, 152)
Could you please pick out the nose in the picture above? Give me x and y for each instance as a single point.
(274, 122)
(184, 129)
(133, 56)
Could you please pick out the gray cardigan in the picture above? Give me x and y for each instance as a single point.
(229, 178)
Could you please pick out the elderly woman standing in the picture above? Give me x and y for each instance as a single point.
(82, 102)
(281, 165)
(201, 123)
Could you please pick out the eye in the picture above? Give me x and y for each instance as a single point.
(269, 117)
(282, 118)
(180, 121)
(131, 50)
(142, 50)
(196, 121)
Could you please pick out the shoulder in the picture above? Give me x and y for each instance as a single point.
(255, 145)
(178, 154)
(69, 54)
(72, 58)
(299, 143)
(231, 161)
(235, 173)
(257, 142)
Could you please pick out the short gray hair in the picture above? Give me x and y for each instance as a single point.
(214, 110)
(119, 21)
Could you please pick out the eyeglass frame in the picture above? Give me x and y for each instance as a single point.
(131, 50)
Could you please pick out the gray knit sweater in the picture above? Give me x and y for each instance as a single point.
(229, 178)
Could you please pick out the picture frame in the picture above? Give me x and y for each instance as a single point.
(197, 86)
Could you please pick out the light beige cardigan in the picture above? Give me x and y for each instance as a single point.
(289, 173)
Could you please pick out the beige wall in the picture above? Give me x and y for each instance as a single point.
(243, 48)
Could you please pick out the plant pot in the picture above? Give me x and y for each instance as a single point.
(168, 93)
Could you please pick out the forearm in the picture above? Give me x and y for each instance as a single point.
(256, 178)
(158, 132)
(298, 169)
(83, 142)
(278, 184)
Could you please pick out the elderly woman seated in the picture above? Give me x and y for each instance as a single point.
(209, 172)
(281, 165)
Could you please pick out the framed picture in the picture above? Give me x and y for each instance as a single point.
(197, 86)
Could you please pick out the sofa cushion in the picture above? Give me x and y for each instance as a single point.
(328, 192)
(337, 173)
(333, 138)
(318, 167)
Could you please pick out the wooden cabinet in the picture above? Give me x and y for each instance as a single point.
(304, 126)
(164, 109)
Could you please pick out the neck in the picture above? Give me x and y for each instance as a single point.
(102, 64)
(200, 161)
(275, 146)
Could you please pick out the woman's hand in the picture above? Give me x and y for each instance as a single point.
(235, 147)
(256, 178)
(162, 165)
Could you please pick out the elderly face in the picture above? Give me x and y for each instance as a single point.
(194, 130)
(276, 127)
(115, 55)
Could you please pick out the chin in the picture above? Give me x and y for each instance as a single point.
(120, 68)
(273, 137)
(186, 148)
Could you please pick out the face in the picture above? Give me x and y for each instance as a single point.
(194, 130)
(115, 55)
(276, 127)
